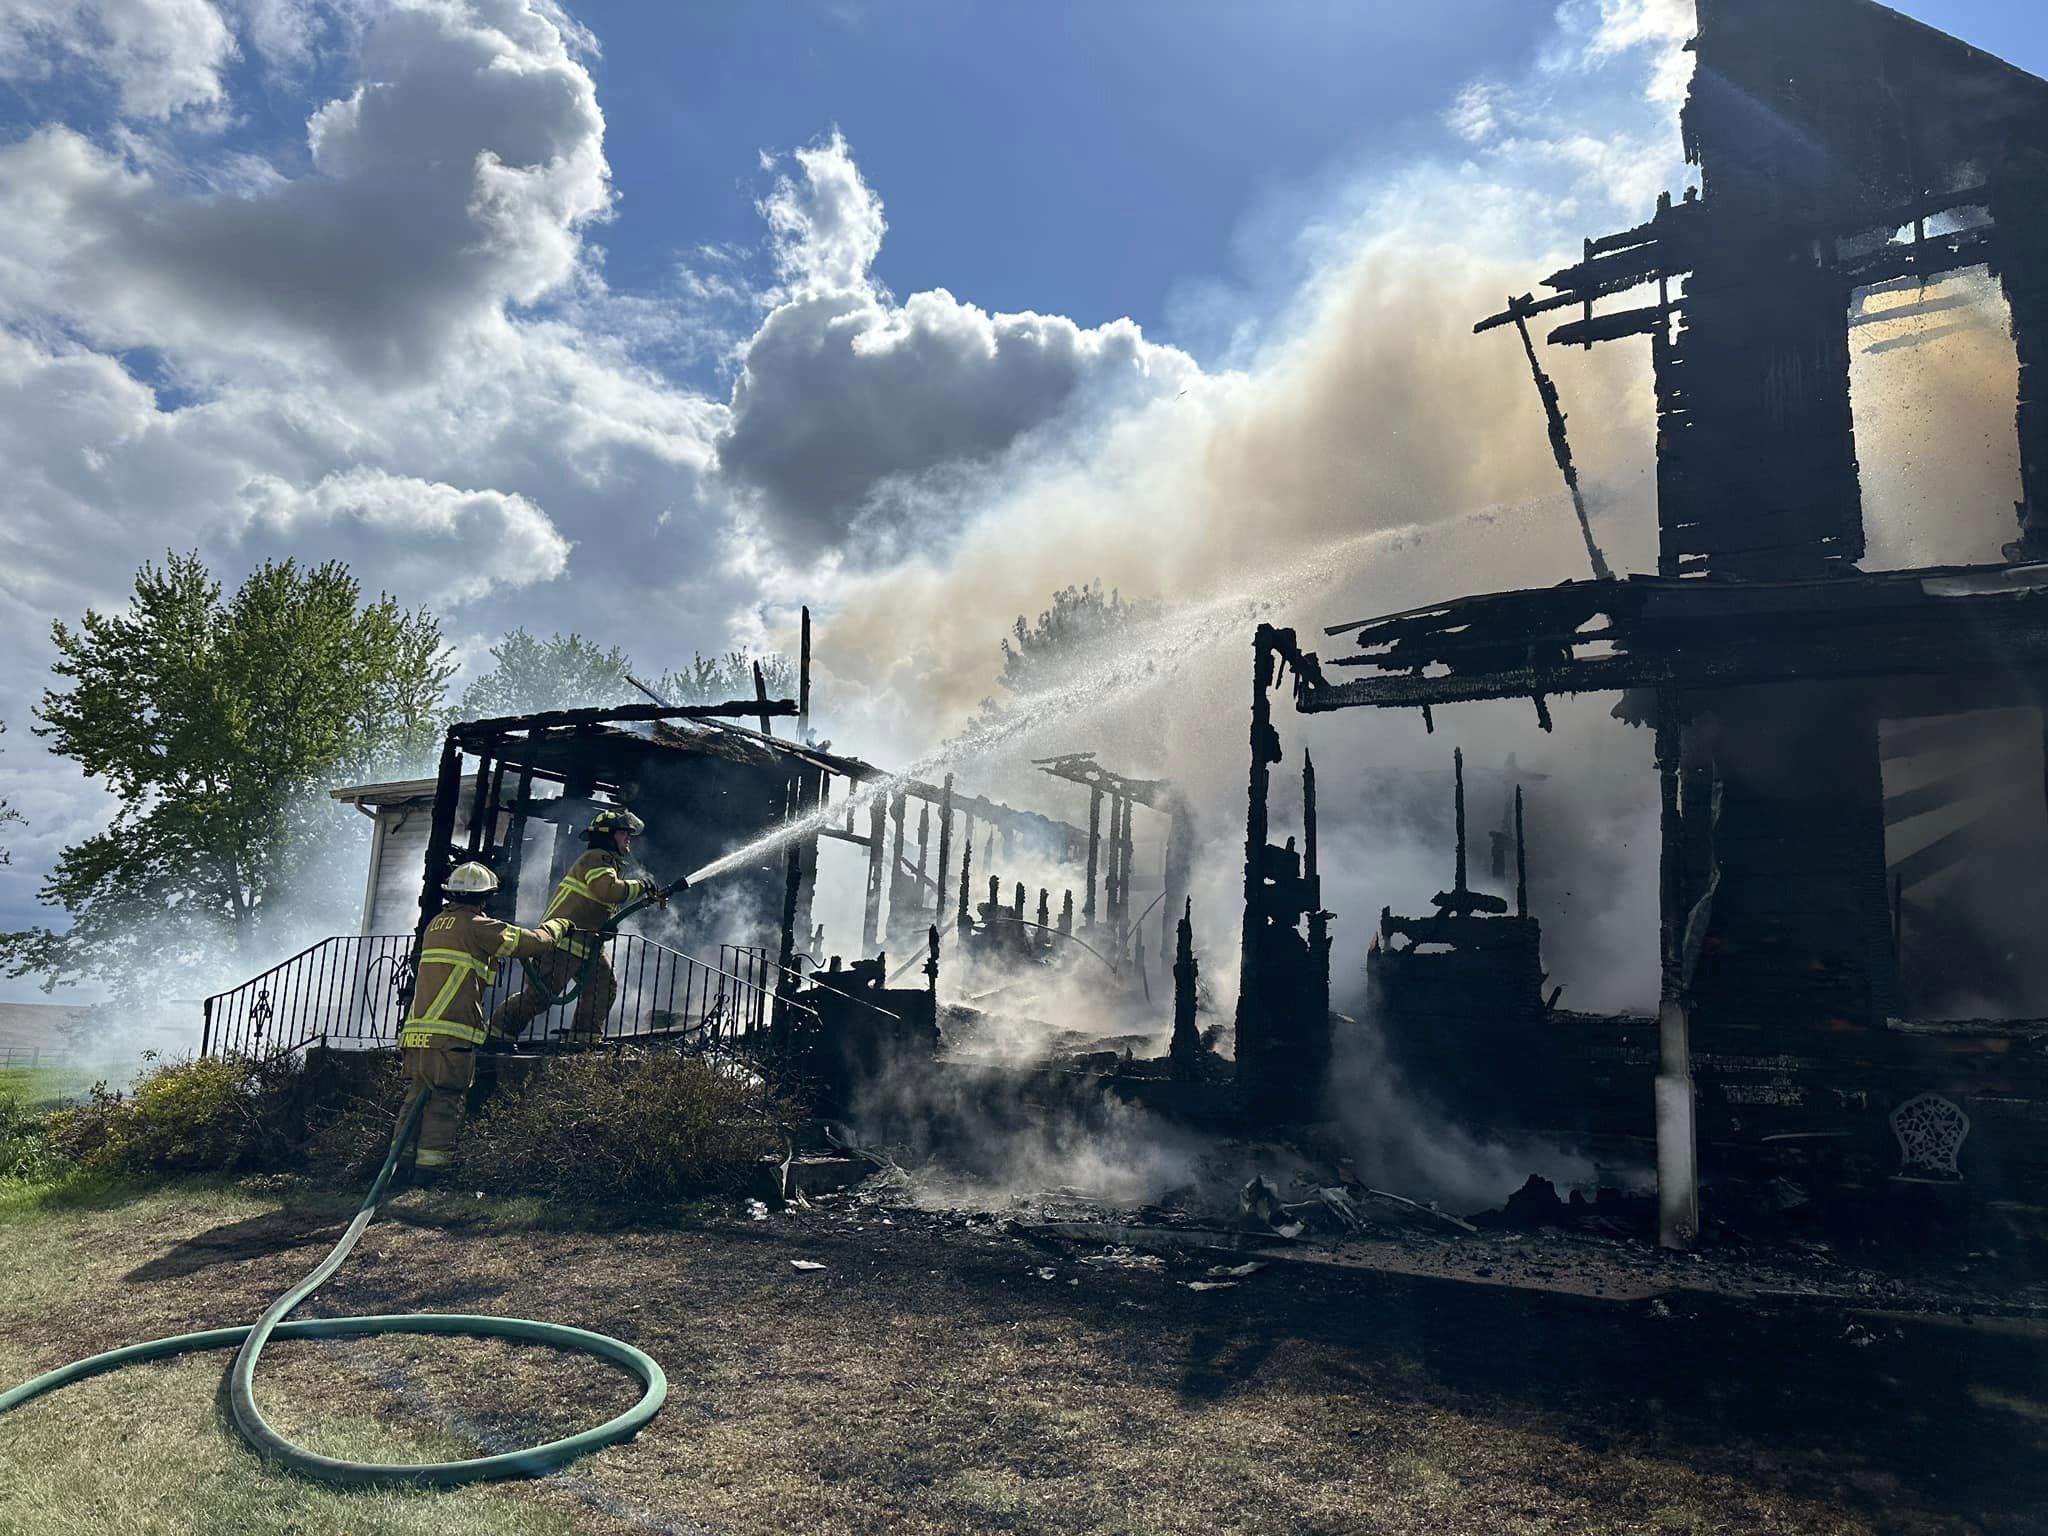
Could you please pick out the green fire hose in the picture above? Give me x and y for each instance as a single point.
(268, 1443)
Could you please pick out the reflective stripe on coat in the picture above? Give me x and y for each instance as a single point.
(458, 959)
(588, 895)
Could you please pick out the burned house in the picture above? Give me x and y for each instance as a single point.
(1842, 149)
(735, 957)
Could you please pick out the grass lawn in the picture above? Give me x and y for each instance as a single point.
(49, 1085)
(941, 1377)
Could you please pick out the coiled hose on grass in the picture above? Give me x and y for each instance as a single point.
(268, 1443)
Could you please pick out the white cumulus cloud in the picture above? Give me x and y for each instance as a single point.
(856, 417)
(160, 57)
(453, 181)
(471, 541)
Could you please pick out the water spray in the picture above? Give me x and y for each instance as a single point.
(1144, 655)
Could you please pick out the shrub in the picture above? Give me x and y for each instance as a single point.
(349, 1146)
(220, 1114)
(630, 1126)
(25, 1149)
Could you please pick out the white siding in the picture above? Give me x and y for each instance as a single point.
(402, 863)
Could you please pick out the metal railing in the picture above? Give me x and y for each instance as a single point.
(346, 988)
(351, 993)
(754, 967)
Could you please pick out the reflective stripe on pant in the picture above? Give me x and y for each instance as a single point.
(447, 1067)
(560, 968)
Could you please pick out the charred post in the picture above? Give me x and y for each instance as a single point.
(1521, 861)
(942, 885)
(1560, 444)
(1186, 1048)
(1112, 896)
(1283, 1018)
(1124, 861)
(440, 838)
(1316, 1040)
(803, 680)
(1458, 882)
(785, 976)
(1094, 856)
(761, 698)
(924, 838)
(899, 906)
(961, 918)
(871, 918)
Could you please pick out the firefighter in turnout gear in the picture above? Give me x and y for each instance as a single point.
(459, 954)
(590, 892)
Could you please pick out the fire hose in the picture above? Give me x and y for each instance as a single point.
(537, 979)
(274, 1447)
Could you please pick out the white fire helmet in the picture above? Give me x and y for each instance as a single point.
(471, 879)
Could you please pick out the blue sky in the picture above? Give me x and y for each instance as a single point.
(1068, 156)
(658, 320)
(1078, 159)
(1071, 157)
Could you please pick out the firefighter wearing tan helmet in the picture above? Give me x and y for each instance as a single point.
(589, 893)
(459, 956)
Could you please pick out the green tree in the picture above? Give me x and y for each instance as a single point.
(719, 679)
(1078, 624)
(530, 675)
(218, 725)
(7, 812)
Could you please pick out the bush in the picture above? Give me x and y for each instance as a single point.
(25, 1149)
(349, 1147)
(217, 1114)
(630, 1126)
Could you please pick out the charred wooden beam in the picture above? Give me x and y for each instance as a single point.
(761, 699)
(871, 917)
(1185, 1051)
(1990, 621)
(943, 882)
(1560, 445)
(966, 872)
(803, 681)
(469, 730)
(1094, 855)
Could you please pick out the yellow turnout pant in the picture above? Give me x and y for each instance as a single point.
(560, 968)
(446, 1068)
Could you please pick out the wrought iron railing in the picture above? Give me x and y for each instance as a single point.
(351, 992)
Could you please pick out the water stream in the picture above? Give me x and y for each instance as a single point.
(1139, 656)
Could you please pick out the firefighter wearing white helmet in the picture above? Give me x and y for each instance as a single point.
(459, 955)
(589, 893)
